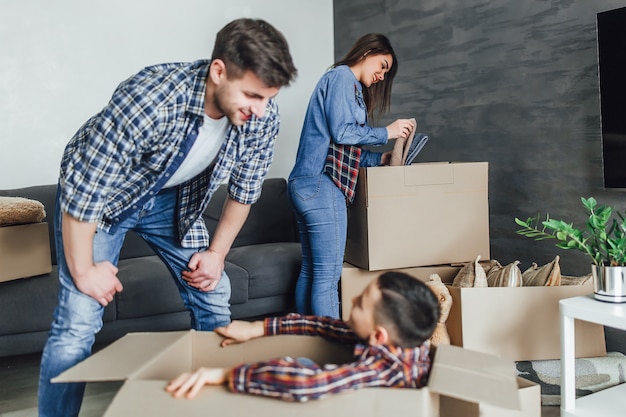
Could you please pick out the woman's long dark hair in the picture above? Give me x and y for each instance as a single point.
(378, 96)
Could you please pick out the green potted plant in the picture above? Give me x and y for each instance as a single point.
(603, 240)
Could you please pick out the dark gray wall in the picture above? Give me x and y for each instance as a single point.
(514, 83)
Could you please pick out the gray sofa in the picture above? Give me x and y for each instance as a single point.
(263, 266)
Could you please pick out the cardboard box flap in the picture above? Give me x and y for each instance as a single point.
(474, 376)
(433, 174)
(124, 358)
(149, 398)
(315, 348)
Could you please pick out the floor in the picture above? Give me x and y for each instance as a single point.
(18, 390)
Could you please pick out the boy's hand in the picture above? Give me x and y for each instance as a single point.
(189, 384)
(240, 331)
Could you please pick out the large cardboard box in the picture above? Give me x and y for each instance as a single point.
(146, 361)
(421, 214)
(354, 280)
(528, 394)
(24, 251)
(520, 323)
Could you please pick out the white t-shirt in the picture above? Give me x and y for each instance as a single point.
(211, 135)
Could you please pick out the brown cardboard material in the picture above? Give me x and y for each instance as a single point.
(24, 251)
(530, 401)
(354, 280)
(417, 215)
(519, 323)
(146, 361)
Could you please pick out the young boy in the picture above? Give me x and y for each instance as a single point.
(389, 327)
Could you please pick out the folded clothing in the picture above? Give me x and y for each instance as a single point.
(415, 145)
(19, 210)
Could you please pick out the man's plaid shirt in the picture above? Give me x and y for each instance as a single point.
(123, 155)
(372, 366)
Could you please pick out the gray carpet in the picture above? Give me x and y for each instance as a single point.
(592, 375)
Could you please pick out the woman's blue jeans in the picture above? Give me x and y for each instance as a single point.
(321, 213)
(78, 317)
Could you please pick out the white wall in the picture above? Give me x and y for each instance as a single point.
(61, 60)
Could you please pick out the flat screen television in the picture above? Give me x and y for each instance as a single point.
(611, 36)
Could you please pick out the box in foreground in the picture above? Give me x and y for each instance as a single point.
(24, 251)
(421, 214)
(146, 361)
(519, 323)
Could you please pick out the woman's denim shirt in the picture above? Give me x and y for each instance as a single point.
(336, 111)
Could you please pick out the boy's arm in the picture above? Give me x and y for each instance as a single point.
(288, 379)
(331, 329)
(326, 327)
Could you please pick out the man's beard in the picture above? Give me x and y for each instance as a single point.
(231, 114)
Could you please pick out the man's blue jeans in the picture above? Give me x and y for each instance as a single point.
(322, 216)
(78, 317)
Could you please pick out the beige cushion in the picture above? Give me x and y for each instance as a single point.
(471, 275)
(548, 275)
(584, 280)
(505, 276)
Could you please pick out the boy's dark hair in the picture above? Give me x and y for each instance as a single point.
(255, 45)
(378, 96)
(408, 309)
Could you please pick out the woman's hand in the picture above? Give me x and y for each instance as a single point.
(401, 128)
(240, 331)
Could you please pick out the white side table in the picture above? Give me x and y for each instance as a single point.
(608, 402)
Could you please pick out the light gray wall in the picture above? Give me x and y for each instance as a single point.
(513, 83)
(61, 60)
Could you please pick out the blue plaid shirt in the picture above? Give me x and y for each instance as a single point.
(123, 155)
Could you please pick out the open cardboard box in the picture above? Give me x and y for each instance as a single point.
(354, 280)
(422, 214)
(24, 251)
(519, 323)
(146, 361)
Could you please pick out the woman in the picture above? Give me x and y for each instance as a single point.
(324, 177)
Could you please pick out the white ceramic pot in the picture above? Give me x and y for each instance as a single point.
(609, 283)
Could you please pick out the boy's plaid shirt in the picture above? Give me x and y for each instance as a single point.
(297, 380)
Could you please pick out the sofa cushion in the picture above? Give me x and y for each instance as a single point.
(149, 288)
(271, 267)
(271, 218)
(27, 305)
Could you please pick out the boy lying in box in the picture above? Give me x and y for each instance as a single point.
(389, 327)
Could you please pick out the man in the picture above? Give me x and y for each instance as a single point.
(150, 162)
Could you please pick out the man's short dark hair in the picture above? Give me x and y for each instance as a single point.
(255, 45)
(408, 309)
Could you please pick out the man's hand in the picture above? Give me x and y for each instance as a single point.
(240, 331)
(100, 282)
(189, 384)
(97, 280)
(205, 270)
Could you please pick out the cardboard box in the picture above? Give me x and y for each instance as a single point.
(421, 214)
(146, 361)
(530, 401)
(354, 280)
(24, 251)
(521, 323)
